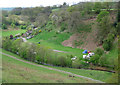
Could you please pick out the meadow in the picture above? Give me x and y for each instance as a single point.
(53, 41)
(30, 73)
(11, 32)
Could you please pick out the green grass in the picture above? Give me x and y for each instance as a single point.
(53, 41)
(114, 51)
(11, 32)
(57, 9)
(98, 75)
(19, 72)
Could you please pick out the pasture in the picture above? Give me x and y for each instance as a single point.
(15, 71)
(53, 41)
(11, 32)
(98, 75)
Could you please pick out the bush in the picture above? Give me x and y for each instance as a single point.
(107, 45)
(62, 61)
(23, 26)
(30, 53)
(108, 62)
(23, 50)
(63, 26)
(95, 59)
(102, 61)
(99, 51)
(15, 45)
(13, 25)
(118, 28)
(40, 31)
(79, 64)
(6, 43)
(4, 26)
(101, 15)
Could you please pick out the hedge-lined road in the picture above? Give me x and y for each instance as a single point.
(52, 68)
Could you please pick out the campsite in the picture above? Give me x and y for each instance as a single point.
(76, 43)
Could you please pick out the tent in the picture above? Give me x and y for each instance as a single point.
(84, 52)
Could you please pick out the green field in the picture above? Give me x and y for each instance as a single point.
(11, 32)
(98, 75)
(19, 72)
(53, 41)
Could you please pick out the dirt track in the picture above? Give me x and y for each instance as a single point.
(97, 81)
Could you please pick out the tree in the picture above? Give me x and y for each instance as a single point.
(101, 15)
(118, 14)
(104, 26)
(13, 25)
(4, 26)
(74, 21)
(16, 11)
(64, 3)
(97, 7)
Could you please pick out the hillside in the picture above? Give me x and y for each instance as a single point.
(80, 39)
(84, 40)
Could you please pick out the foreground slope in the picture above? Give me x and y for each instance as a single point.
(17, 71)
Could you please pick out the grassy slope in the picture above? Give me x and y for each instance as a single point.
(13, 32)
(98, 75)
(16, 71)
(48, 39)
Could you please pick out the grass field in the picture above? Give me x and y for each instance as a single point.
(11, 32)
(53, 41)
(19, 72)
(13, 64)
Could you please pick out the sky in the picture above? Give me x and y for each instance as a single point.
(34, 3)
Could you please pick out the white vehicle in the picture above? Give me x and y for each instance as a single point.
(84, 56)
(74, 58)
(91, 54)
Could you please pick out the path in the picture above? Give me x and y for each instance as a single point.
(60, 51)
(51, 68)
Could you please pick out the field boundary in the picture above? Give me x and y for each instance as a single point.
(52, 68)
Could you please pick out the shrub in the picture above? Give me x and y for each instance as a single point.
(99, 51)
(79, 64)
(41, 52)
(63, 26)
(15, 45)
(118, 28)
(107, 45)
(30, 53)
(101, 15)
(95, 59)
(4, 26)
(69, 62)
(23, 50)
(6, 43)
(62, 61)
(13, 25)
(23, 26)
(40, 31)
(110, 37)
(102, 60)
